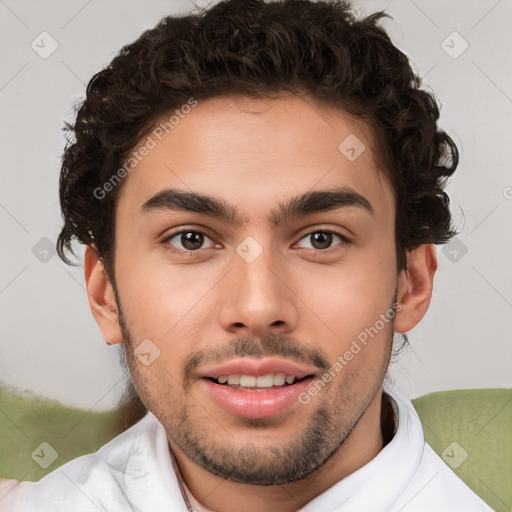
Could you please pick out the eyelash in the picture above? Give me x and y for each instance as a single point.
(168, 246)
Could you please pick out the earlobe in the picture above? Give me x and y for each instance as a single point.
(101, 297)
(415, 287)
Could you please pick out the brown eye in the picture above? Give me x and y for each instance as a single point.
(323, 240)
(190, 240)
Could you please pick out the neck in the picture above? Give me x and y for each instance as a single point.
(373, 431)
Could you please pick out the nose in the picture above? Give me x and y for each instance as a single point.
(258, 297)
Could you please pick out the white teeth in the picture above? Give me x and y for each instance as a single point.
(250, 381)
(234, 379)
(265, 381)
(279, 379)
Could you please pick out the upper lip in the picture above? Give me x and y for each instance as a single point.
(257, 368)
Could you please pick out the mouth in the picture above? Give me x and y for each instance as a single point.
(257, 388)
(261, 383)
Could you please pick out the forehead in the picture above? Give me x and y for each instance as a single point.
(256, 152)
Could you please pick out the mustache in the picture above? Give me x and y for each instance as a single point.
(271, 345)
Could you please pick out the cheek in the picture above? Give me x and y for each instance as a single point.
(158, 386)
(159, 299)
(352, 300)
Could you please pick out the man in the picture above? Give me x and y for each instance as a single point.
(259, 188)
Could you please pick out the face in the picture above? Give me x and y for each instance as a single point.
(255, 286)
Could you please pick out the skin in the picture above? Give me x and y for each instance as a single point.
(255, 154)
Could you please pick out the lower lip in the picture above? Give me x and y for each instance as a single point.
(256, 404)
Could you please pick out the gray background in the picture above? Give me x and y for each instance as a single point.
(49, 341)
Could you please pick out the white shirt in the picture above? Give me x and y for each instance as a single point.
(135, 472)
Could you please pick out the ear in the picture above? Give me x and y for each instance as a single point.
(101, 297)
(415, 287)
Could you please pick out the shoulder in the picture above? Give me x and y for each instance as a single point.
(434, 486)
(431, 485)
(86, 483)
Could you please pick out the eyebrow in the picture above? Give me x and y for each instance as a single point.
(299, 206)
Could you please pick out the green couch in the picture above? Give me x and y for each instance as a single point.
(470, 429)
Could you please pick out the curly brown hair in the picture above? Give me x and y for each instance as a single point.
(260, 49)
